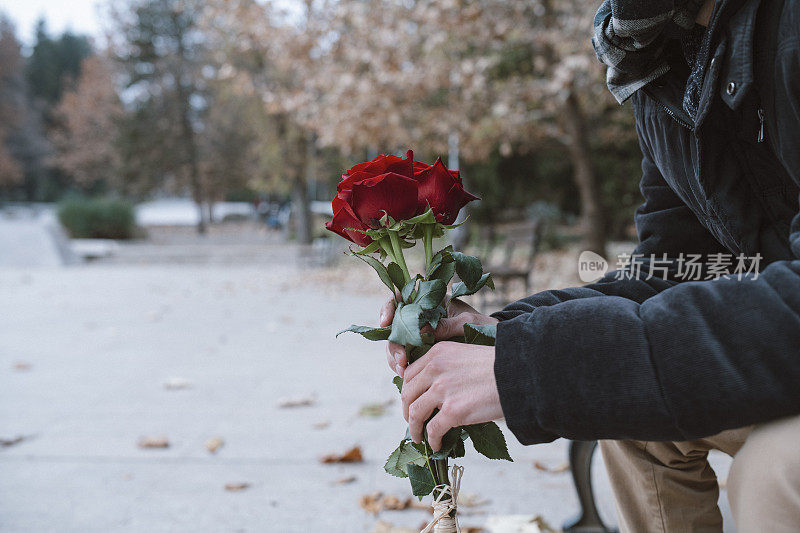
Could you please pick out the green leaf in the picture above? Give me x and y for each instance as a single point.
(468, 268)
(405, 326)
(391, 463)
(431, 293)
(450, 440)
(458, 450)
(380, 269)
(488, 440)
(373, 334)
(432, 317)
(483, 334)
(395, 274)
(405, 454)
(443, 271)
(461, 289)
(372, 247)
(408, 288)
(416, 352)
(398, 382)
(425, 218)
(422, 482)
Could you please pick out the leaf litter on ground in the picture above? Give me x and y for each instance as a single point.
(375, 502)
(353, 455)
(374, 410)
(560, 469)
(300, 401)
(153, 442)
(214, 444)
(13, 441)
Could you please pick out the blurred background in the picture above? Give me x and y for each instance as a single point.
(169, 296)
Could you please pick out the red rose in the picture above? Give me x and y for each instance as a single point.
(382, 164)
(442, 190)
(369, 190)
(344, 218)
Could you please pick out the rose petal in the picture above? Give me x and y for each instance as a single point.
(391, 193)
(343, 220)
(441, 189)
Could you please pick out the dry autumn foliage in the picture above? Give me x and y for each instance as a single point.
(87, 116)
(384, 74)
(353, 455)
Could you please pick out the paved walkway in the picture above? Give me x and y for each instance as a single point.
(27, 242)
(85, 353)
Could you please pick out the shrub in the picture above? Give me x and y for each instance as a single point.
(97, 218)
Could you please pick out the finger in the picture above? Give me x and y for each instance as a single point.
(414, 389)
(437, 427)
(387, 313)
(419, 412)
(396, 357)
(447, 328)
(419, 365)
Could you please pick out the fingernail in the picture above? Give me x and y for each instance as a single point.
(399, 370)
(383, 316)
(397, 358)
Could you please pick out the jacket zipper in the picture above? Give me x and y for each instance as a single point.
(675, 117)
(760, 137)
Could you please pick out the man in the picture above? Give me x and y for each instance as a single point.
(663, 368)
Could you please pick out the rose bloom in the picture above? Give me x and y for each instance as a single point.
(399, 187)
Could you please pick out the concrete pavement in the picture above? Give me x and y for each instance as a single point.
(85, 353)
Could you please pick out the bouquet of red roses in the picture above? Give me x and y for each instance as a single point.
(385, 206)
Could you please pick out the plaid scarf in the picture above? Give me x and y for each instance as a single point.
(629, 37)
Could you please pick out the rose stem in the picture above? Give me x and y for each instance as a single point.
(398, 255)
(428, 241)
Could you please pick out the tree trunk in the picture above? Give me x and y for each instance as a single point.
(300, 211)
(593, 216)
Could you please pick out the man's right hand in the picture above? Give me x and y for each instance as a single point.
(458, 314)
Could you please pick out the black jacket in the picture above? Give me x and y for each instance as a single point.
(661, 359)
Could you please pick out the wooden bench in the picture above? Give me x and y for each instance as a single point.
(525, 238)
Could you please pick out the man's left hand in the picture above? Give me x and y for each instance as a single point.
(458, 379)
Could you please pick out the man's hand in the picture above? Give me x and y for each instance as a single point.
(458, 314)
(458, 379)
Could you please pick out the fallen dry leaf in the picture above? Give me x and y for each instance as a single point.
(371, 503)
(178, 384)
(322, 424)
(563, 467)
(374, 410)
(353, 455)
(471, 500)
(544, 527)
(7, 443)
(302, 401)
(234, 487)
(345, 480)
(21, 366)
(214, 443)
(153, 442)
(375, 502)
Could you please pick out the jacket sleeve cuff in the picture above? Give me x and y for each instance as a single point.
(581, 370)
(514, 383)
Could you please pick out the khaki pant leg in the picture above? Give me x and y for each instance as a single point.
(764, 481)
(667, 486)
